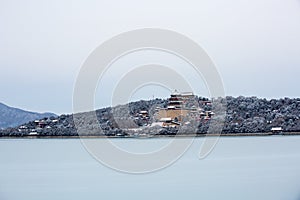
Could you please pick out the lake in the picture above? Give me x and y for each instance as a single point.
(247, 168)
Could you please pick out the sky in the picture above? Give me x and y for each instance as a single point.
(254, 44)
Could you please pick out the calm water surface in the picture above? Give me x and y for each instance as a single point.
(239, 168)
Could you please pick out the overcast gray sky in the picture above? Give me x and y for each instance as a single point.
(254, 44)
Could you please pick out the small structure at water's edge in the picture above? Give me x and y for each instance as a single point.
(277, 129)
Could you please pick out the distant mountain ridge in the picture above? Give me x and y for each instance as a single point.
(12, 117)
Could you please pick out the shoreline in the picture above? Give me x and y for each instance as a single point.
(158, 136)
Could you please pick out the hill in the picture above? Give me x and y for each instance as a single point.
(12, 117)
(244, 115)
